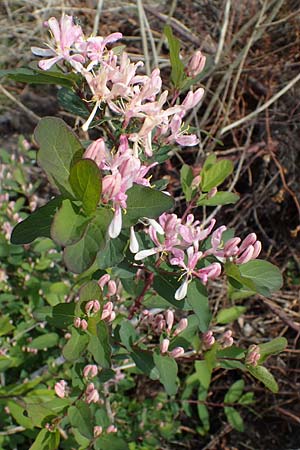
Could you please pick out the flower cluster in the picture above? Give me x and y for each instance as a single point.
(182, 243)
(114, 80)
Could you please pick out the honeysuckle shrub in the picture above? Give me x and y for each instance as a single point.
(107, 279)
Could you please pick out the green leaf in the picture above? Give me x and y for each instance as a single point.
(99, 346)
(72, 103)
(262, 374)
(5, 325)
(236, 278)
(186, 179)
(144, 361)
(143, 201)
(203, 411)
(80, 417)
(273, 347)
(177, 74)
(228, 315)
(220, 198)
(234, 418)
(203, 371)
(234, 392)
(90, 291)
(68, 224)
(46, 440)
(45, 341)
(127, 334)
(198, 299)
(59, 150)
(85, 181)
(113, 253)
(62, 315)
(80, 256)
(37, 224)
(266, 277)
(110, 442)
(17, 411)
(246, 399)
(34, 76)
(75, 345)
(167, 369)
(166, 286)
(213, 175)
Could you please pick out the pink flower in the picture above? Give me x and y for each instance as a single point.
(111, 429)
(93, 306)
(65, 35)
(97, 430)
(253, 355)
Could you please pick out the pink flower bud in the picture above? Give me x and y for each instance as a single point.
(97, 430)
(249, 240)
(112, 288)
(196, 64)
(89, 306)
(161, 325)
(104, 280)
(183, 323)
(227, 339)
(246, 256)
(177, 352)
(208, 339)
(253, 355)
(164, 345)
(169, 319)
(111, 429)
(257, 249)
(97, 152)
(231, 247)
(77, 322)
(91, 394)
(60, 388)
(90, 371)
(93, 306)
(107, 310)
(84, 325)
(212, 192)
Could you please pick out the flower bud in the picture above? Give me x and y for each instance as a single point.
(104, 280)
(249, 240)
(90, 371)
(97, 430)
(77, 322)
(208, 339)
(183, 323)
(253, 355)
(177, 352)
(60, 388)
(164, 345)
(196, 64)
(246, 256)
(169, 319)
(112, 288)
(91, 394)
(84, 325)
(227, 339)
(111, 429)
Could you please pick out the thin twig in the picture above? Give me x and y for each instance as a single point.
(262, 107)
(24, 108)
(223, 31)
(97, 17)
(141, 13)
